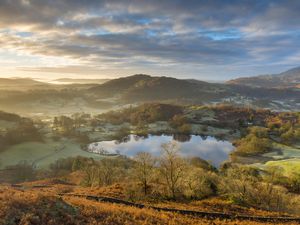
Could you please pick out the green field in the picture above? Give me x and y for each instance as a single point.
(42, 154)
(289, 165)
(6, 124)
(285, 151)
(284, 156)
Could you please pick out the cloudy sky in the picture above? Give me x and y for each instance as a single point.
(208, 40)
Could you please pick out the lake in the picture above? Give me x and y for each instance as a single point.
(208, 148)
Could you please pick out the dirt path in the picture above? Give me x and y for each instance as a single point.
(200, 214)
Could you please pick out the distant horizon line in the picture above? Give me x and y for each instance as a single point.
(53, 80)
(45, 80)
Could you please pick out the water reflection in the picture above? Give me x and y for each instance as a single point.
(182, 137)
(208, 148)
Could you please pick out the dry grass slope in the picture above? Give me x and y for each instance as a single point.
(43, 206)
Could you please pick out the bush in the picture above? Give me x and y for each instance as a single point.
(21, 172)
(179, 122)
(184, 129)
(198, 183)
(122, 134)
(244, 186)
(256, 142)
(145, 113)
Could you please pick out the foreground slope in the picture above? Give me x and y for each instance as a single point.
(42, 205)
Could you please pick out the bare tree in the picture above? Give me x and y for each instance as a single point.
(171, 166)
(144, 169)
(89, 174)
(106, 171)
(110, 170)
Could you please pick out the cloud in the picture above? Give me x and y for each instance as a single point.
(170, 36)
(63, 69)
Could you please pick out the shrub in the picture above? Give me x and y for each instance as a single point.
(256, 142)
(198, 183)
(244, 186)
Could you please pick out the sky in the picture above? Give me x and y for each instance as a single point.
(205, 40)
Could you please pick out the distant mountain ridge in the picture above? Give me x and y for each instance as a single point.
(80, 81)
(287, 79)
(23, 84)
(19, 84)
(145, 88)
(139, 88)
(19, 81)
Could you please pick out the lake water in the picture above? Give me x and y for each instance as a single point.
(208, 148)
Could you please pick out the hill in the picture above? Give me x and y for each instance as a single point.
(16, 94)
(287, 79)
(142, 87)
